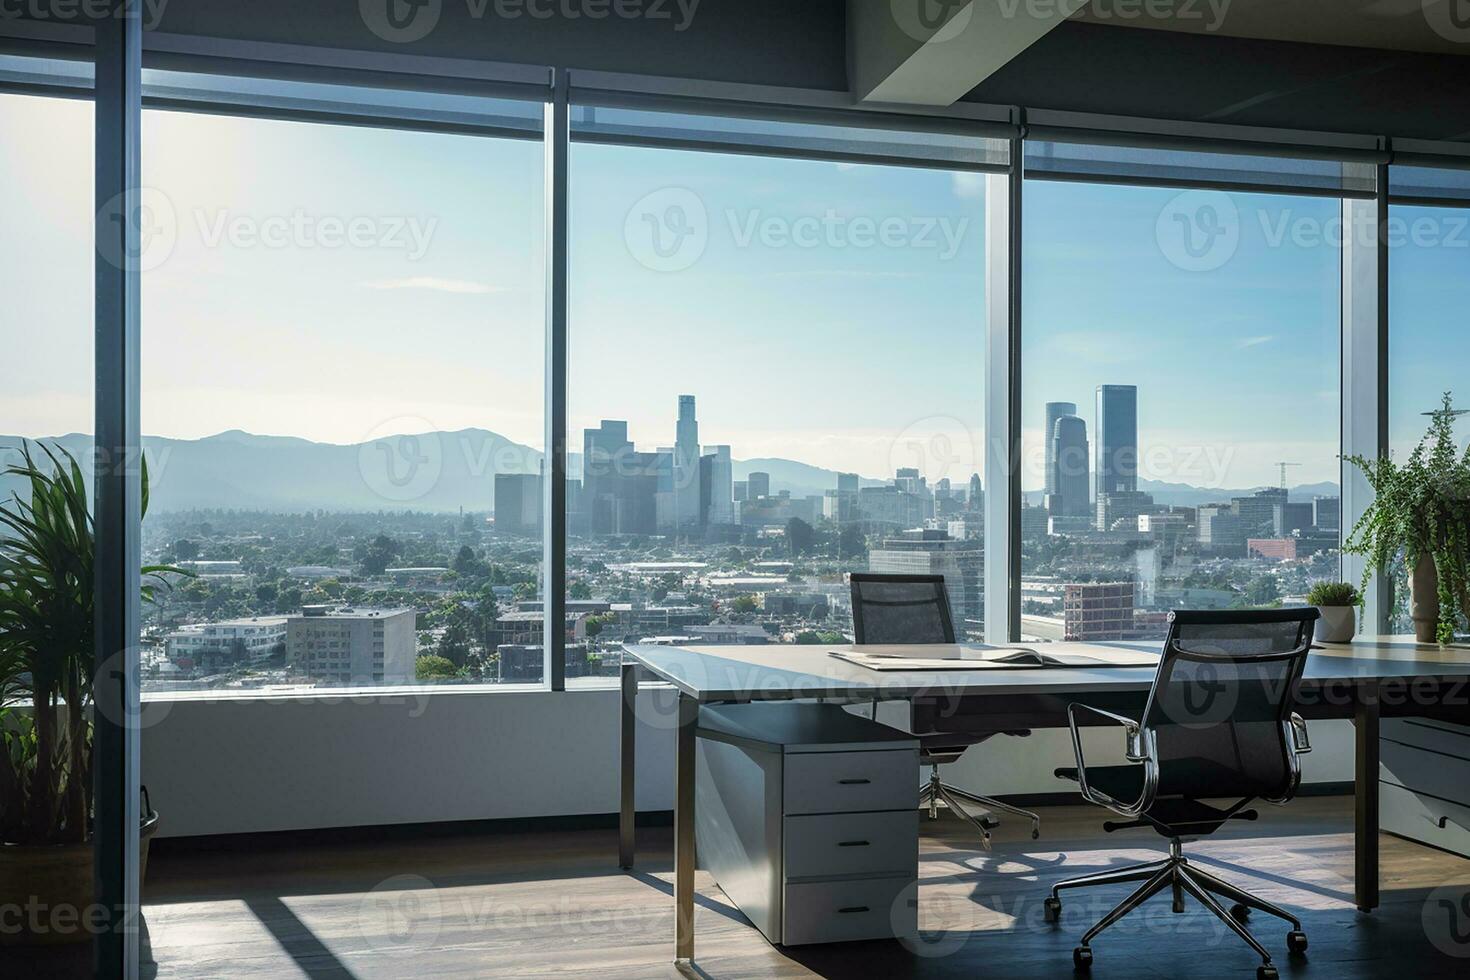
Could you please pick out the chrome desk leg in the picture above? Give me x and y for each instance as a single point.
(684, 829)
(627, 791)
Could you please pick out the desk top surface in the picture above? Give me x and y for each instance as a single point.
(780, 672)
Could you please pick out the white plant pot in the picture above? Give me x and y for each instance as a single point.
(1338, 623)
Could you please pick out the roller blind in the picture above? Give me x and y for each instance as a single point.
(1429, 185)
(856, 137)
(1281, 172)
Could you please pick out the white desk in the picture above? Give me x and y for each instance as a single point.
(1363, 681)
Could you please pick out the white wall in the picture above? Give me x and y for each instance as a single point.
(273, 763)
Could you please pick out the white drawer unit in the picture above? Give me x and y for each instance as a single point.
(1424, 775)
(805, 816)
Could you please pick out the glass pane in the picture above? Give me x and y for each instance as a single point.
(1428, 346)
(342, 382)
(1180, 359)
(45, 253)
(776, 377)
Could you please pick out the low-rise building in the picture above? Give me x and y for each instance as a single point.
(349, 645)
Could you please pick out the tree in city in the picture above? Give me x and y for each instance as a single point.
(379, 554)
(432, 668)
(745, 604)
(1263, 590)
(799, 536)
(851, 542)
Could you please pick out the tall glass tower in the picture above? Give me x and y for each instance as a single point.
(1054, 411)
(1067, 450)
(686, 464)
(1116, 445)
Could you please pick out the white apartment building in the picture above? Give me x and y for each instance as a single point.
(357, 646)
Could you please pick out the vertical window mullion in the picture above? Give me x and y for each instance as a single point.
(554, 469)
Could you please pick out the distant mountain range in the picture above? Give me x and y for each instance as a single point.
(437, 471)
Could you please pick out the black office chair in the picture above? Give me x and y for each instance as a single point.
(1218, 725)
(915, 609)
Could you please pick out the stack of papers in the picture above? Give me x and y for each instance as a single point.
(979, 657)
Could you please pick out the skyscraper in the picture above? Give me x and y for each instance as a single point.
(976, 498)
(686, 463)
(718, 479)
(1054, 411)
(1117, 439)
(758, 486)
(1067, 479)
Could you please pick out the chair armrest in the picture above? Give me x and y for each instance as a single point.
(1299, 738)
(1139, 750)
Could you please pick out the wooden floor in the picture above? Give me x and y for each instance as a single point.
(553, 904)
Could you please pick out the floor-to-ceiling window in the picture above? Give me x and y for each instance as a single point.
(45, 251)
(342, 399)
(1429, 296)
(1180, 403)
(776, 377)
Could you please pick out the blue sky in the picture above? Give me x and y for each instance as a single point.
(822, 312)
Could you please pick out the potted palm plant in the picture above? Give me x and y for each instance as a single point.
(1421, 512)
(47, 664)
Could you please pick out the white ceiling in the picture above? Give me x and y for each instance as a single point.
(1406, 25)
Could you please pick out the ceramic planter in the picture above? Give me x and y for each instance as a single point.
(1338, 623)
(54, 887)
(1424, 600)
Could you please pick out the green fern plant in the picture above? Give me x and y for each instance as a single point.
(1421, 509)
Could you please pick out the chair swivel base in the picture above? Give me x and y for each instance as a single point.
(1176, 873)
(939, 793)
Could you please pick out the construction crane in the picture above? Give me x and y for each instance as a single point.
(1283, 466)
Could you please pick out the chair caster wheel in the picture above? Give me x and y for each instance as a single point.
(1036, 833)
(1082, 959)
(1240, 912)
(1267, 972)
(1053, 908)
(1296, 941)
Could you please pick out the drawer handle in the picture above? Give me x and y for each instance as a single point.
(853, 908)
(852, 843)
(853, 782)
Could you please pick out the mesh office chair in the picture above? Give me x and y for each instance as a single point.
(915, 609)
(1218, 725)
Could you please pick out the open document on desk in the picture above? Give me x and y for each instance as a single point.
(980, 657)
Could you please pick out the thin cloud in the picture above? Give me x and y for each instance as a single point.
(437, 285)
(1245, 342)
